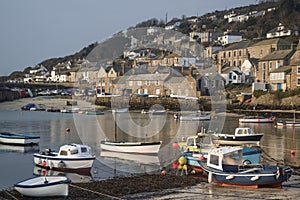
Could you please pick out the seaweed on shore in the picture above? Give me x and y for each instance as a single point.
(119, 187)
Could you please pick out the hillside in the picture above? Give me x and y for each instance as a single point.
(285, 11)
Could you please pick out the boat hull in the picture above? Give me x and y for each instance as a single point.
(195, 118)
(254, 180)
(15, 139)
(64, 164)
(225, 139)
(131, 147)
(288, 124)
(264, 120)
(38, 187)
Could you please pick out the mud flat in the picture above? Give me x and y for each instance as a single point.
(168, 187)
(49, 102)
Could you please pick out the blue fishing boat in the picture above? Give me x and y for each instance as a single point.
(250, 155)
(225, 166)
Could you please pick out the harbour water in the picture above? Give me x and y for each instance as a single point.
(17, 162)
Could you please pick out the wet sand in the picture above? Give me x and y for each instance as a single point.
(48, 102)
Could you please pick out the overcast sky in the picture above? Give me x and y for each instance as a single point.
(32, 31)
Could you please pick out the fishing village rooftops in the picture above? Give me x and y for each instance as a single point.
(148, 77)
(277, 55)
(277, 41)
(238, 45)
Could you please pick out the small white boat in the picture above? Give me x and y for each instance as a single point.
(154, 112)
(41, 186)
(240, 136)
(120, 110)
(70, 157)
(131, 147)
(288, 123)
(195, 117)
(18, 139)
(252, 119)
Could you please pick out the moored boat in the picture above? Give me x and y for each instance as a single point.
(18, 139)
(240, 136)
(120, 110)
(41, 186)
(288, 123)
(250, 155)
(131, 147)
(253, 119)
(71, 157)
(225, 167)
(195, 117)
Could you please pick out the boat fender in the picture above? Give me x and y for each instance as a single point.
(209, 177)
(61, 164)
(247, 162)
(254, 178)
(44, 163)
(279, 172)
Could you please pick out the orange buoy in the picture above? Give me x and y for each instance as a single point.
(44, 163)
(293, 153)
(163, 172)
(175, 145)
(67, 130)
(175, 165)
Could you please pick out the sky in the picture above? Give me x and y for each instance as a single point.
(32, 31)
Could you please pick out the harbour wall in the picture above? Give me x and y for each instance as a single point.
(9, 96)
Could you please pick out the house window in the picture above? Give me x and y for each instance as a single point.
(298, 70)
(261, 52)
(205, 83)
(230, 76)
(298, 81)
(130, 83)
(264, 66)
(234, 53)
(270, 65)
(156, 83)
(224, 55)
(139, 83)
(277, 64)
(229, 54)
(234, 77)
(240, 53)
(145, 91)
(157, 91)
(147, 82)
(234, 63)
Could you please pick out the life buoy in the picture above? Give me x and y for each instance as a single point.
(247, 162)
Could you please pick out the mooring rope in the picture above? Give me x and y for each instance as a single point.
(99, 193)
(10, 195)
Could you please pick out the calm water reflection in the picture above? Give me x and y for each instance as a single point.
(17, 163)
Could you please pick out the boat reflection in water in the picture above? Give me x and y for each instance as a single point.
(74, 177)
(131, 162)
(19, 148)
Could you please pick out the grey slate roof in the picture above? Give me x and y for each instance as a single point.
(277, 55)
